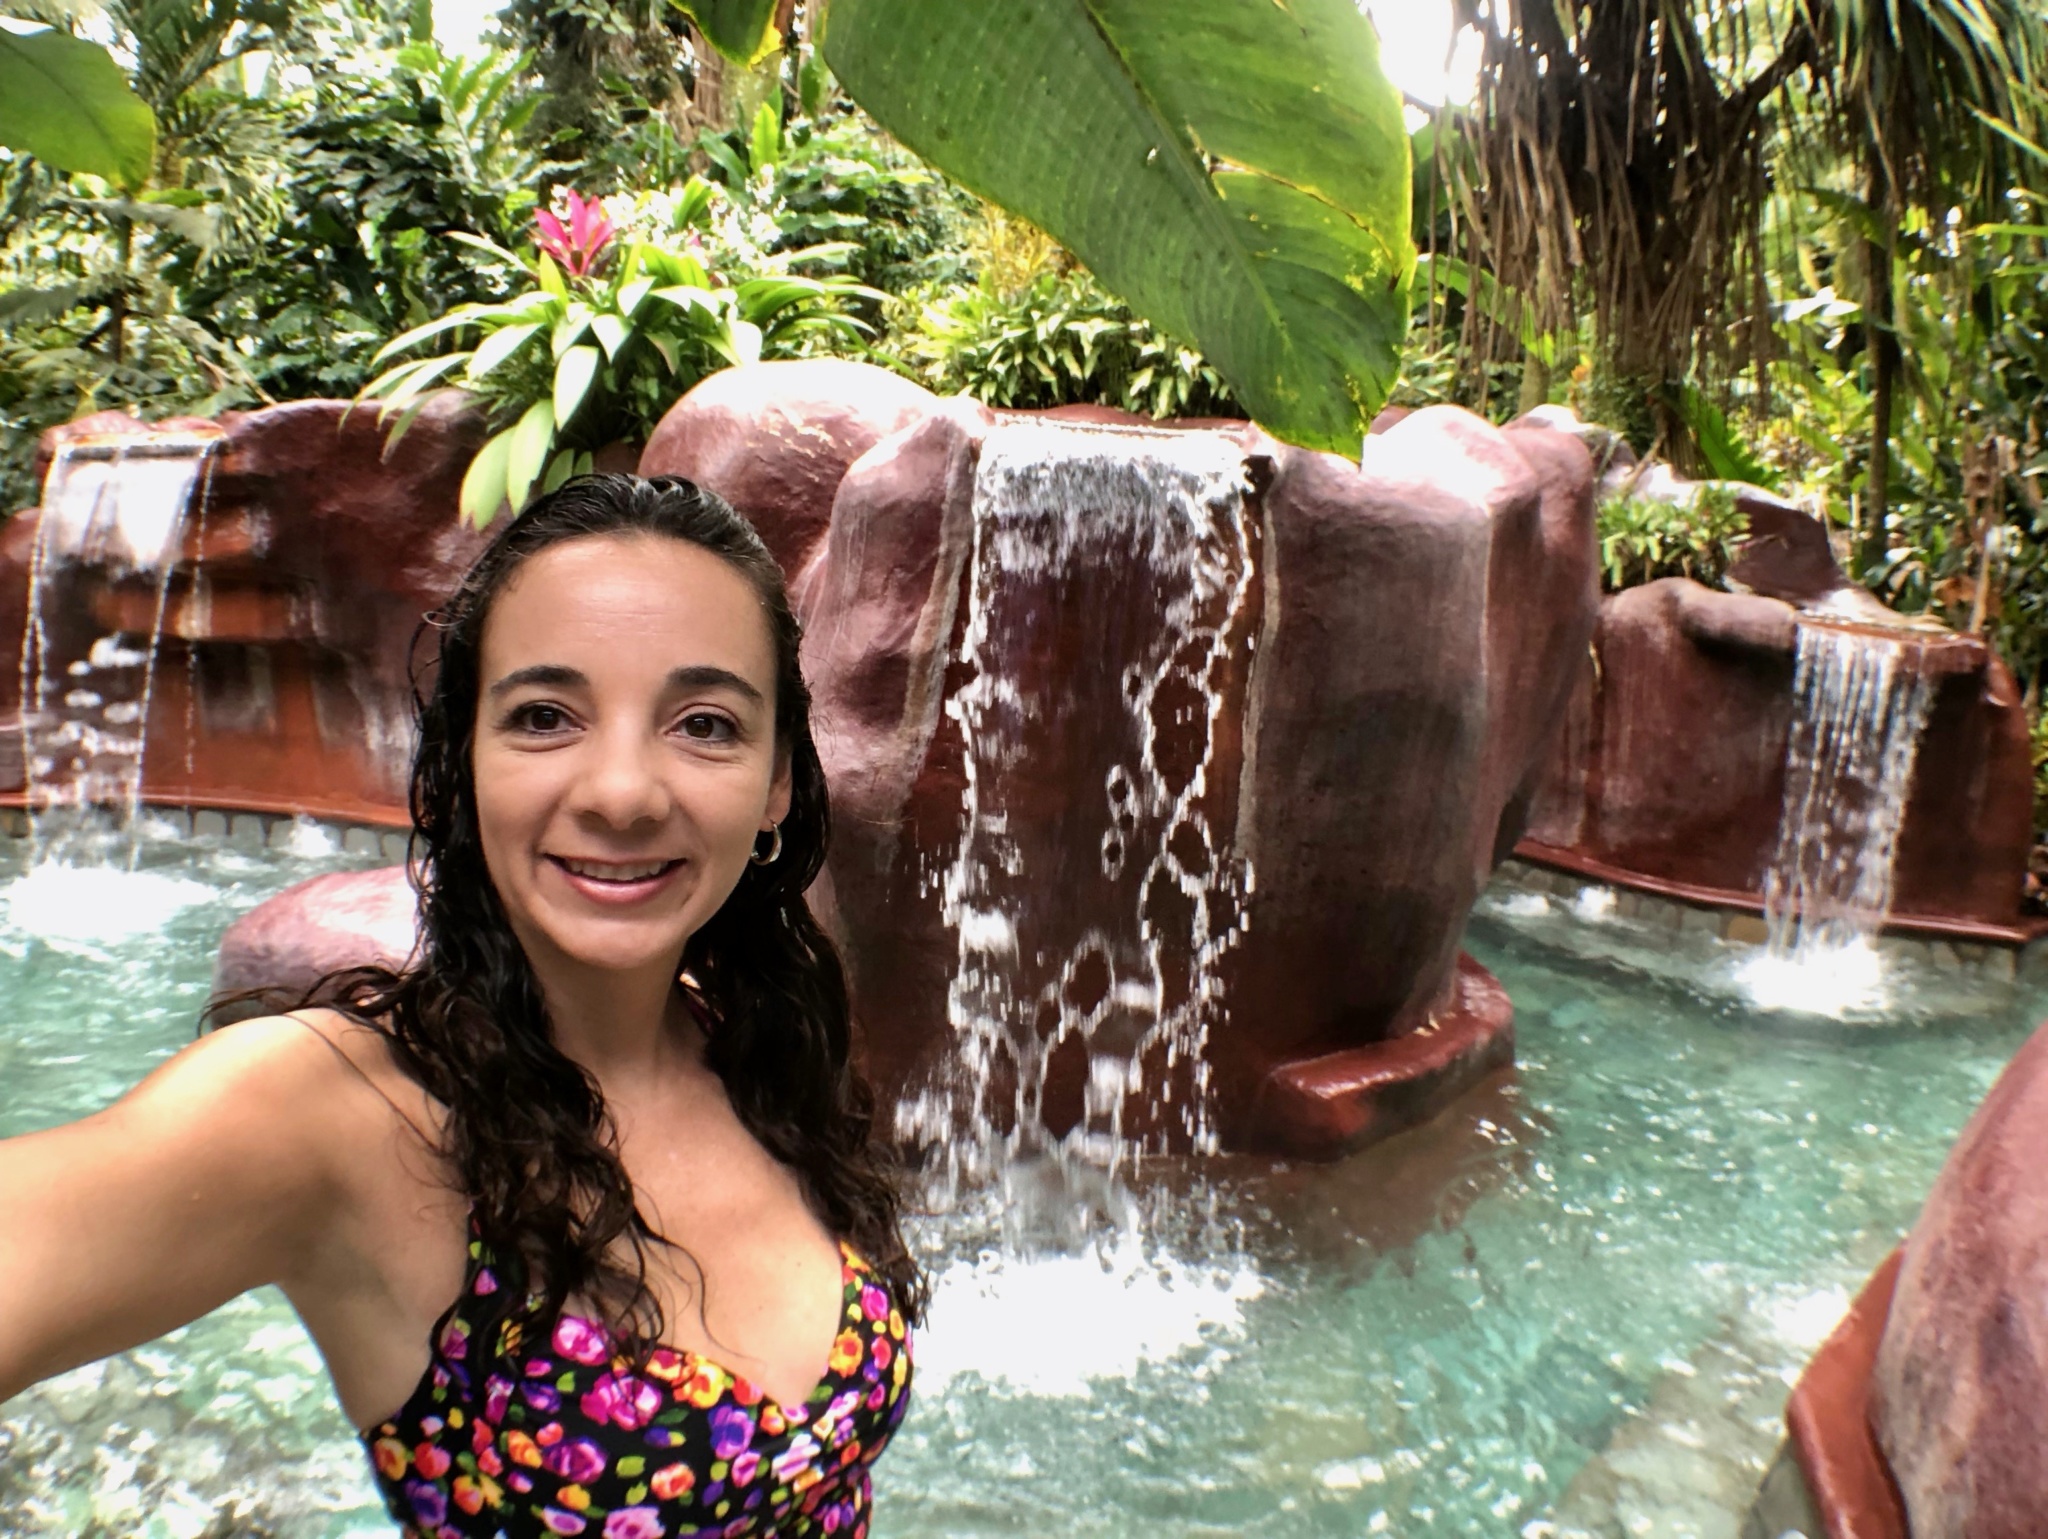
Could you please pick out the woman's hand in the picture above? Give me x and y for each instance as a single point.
(214, 1175)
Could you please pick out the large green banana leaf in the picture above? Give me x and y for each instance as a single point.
(66, 102)
(736, 28)
(1238, 170)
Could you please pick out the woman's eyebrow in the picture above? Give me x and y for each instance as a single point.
(560, 676)
(555, 675)
(704, 676)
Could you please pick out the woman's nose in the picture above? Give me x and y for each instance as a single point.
(623, 783)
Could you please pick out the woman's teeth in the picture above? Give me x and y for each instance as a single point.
(609, 873)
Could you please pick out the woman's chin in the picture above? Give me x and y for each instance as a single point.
(614, 947)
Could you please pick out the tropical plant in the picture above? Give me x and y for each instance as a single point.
(1059, 340)
(65, 101)
(604, 340)
(1266, 224)
(1644, 538)
(836, 177)
(398, 146)
(1623, 155)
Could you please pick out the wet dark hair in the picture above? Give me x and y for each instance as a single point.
(528, 1134)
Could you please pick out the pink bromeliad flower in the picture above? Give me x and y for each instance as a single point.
(578, 245)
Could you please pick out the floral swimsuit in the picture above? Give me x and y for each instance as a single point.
(571, 1441)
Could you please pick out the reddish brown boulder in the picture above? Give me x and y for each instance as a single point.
(1322, 767)
(1845, 1474)
(1670, 771)
(775, 439)
(1960, 1390)
(1786, 554)
(343, 919)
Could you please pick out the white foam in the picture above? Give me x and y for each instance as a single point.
(88, 905)
(1056, 1326)
(310, 841)
(1833, 981)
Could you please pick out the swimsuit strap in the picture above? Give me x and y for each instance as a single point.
(363, 1074)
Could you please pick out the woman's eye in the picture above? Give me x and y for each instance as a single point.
(705, 727)
(540, 718)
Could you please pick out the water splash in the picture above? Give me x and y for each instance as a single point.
(1859, 708)
(1106, 600)
(116, 510)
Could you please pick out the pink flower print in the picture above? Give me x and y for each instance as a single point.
(520, 1483)
(578, 1461)
(874, 1303)
(486, 1284)
(622, 1400)
(877, 1398)
(576, 245)
(559, 1522)
(539, 1368)
(731, 1430)
(455, 1341)
(798, 1457)
(881, 1352)
(431, 1460)
(488, 1461)
(746, 1467)
(497, 1395)
(581, 1341)
(634, 1523)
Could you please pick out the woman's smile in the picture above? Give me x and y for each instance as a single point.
(618, 882)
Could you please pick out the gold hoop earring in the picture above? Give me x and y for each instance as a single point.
(774, 847)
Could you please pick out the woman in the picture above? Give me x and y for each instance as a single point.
(608, 1112)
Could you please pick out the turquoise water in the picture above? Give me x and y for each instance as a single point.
(1572, 1307)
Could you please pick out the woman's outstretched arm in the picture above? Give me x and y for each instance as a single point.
(209, 1178)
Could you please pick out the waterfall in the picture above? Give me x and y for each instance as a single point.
(112, 516)
(1859, 707)
(1106, 597)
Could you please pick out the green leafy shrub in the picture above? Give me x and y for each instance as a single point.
(1643, 538)
(1060, 340)
(603, 342)
(810, 181)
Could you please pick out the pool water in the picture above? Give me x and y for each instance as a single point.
(1573, 1306)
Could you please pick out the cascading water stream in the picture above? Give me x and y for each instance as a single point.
(1107, 594)
(1859, 708)
(114, 512)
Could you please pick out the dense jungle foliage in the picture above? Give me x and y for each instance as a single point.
(1862, 246)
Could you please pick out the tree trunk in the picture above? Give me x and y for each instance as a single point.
(1880, 323)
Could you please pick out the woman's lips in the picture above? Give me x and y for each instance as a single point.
(614, 890)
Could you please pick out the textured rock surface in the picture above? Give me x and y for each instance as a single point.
(774, 441)
(283, 679)
(1385, 699)
(343, 919)
(1960, 1391)
(1671, 763)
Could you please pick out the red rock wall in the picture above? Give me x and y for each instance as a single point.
(1959, 1392)
(1411, 641)
(282, 682)
(1670, 767)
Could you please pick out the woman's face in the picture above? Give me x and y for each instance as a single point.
(625, 751)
